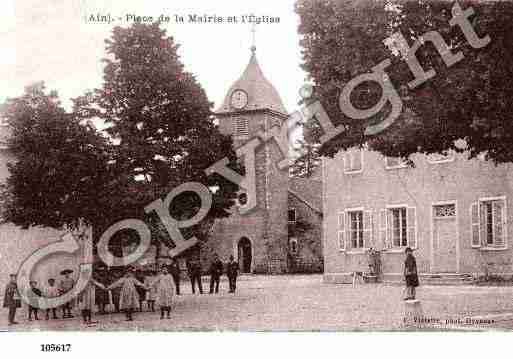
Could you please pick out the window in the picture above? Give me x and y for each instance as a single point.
(292, 215)
(488, 217)
(395, 162)
(241, 128)
(444, 210)
(399, 234)
(356, 229)
(353, 161)
(440, 158)
(398, 227)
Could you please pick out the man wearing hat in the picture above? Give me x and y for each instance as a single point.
(12, 299)
(66, 285)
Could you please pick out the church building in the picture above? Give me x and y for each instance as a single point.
(259, 239)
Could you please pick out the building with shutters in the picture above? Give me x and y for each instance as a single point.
(451, 210)
(273, 237)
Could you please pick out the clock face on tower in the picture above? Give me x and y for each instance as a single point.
(239, 99)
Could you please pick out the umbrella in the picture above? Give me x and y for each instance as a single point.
(66, 271)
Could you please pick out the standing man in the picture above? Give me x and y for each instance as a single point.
(231, 271)
(194, 271)
(12, 299)
(66, 285)
(216, 269)
(174, 270)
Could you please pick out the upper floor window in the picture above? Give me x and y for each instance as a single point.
(440, 157)
(489, 223)
(395, 162)
(292, 215)
(241, 127)
(353, 161)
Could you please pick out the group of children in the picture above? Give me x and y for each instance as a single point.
(12, 299)
(159, 290)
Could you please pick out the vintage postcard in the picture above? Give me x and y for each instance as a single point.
(299, 165)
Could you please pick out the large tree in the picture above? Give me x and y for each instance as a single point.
(160, 120)
(471, 101)
(59, 167)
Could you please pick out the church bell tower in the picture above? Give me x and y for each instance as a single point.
(258, 238)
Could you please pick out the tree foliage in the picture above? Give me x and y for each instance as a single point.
(58, 167)
(306, 159)
(160, 134)
(470, 101)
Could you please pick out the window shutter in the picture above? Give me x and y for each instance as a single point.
(498, 223)
(347, 161)
(482, 225)
(411, 223)
(382, 229)
(474, 223)
(341, 231)
(357, 160)
(390, 227)
(367, 229)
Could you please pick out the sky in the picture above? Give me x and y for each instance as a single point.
(51, 41)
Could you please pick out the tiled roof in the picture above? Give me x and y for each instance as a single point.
(307, 190)
(261, 93)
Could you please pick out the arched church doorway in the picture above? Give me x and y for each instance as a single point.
(244, 255)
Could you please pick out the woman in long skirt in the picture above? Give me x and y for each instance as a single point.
(128, 298)
(86, 300)
(165, 290)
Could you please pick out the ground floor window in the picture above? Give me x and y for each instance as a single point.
(356, 228)
(488, 222)
(398, 226)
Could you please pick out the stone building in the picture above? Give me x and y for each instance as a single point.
(451, 210)
(259, 240)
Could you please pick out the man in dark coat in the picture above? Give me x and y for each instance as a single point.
(232, 269)
(215, 271)
(410, 274)
(194, 271)
(12, 299)
(174, 270)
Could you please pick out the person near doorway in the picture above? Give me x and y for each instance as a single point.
(194, 271)
(232, 269)
(12, 299)
(51, 291)
(410, 274)
(174, 270)
(65, 286)
(215, 271)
